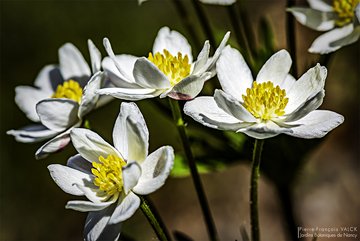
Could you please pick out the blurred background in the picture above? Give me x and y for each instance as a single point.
(311, 183)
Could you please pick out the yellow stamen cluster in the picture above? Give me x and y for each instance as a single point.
(265, 101)
(344, 10)
(175, 68)
(108, 174)
(69, 90)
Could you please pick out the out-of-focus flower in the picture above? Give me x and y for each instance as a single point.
(219, 2)
(341, 19)
(215, 2)
(110, 176)
(168, 71)
(273, 104)
(61, 97)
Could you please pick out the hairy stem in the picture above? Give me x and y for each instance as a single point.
(255, 174)
(179, 122)
(154, 219)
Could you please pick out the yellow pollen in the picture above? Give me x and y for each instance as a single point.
(108, 174)
(175, 68)
(265, 101)
(69, 90)
(344, 10)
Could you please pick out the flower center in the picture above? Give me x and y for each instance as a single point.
(69, 90)
(108, 174)
(175, 68)
(345, 11)
(265, 101)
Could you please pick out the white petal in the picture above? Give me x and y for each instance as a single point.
(211, 64)
(323, 44)
(357, 13)
(125, 73)
(287, 83)
(87, 206)
(66, 178)
(264, 131)
(320, 5)
(95, 57)
(276, 68)
(307, 107)
(96, 225)
(316, 124)
(309, 85)
(79, 163)
(56, 144)
(126, 63)
(93, 193)
(232, 106)
(72, 63)
(155, 170)
(49, 78)
(202, 58)
(130, 94)
(206, 111)
(348, 39)
(125, 208)
(314, 19)
(57, 114)
(131, 174)
(233, 73)
(172, 41)
(32, 133)
(90, 96)
(219, 2)
(189, 87)
(130, 134)
(27, 97)
(90, 145)
(147, 75)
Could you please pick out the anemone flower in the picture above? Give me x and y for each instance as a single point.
(168, 71)
(274, 103)
(61, 97)
(340, 18)
(110, 177)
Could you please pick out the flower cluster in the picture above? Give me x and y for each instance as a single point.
(114, 178)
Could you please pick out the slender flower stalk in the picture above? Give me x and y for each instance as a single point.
(290, 37)
(177, 116)
(204, 22)
(154, 219)
(186, 21)
(240, 35)
(255, 174)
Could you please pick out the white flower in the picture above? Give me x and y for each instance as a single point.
(273, 104)
(61, 97)
(168, 71)
(342, 19)
(110, 177)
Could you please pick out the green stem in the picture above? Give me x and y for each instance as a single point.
(186, 21)
(204, 22)
(255, 174)
(154, 219)
(291, 38)
(177, 116)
